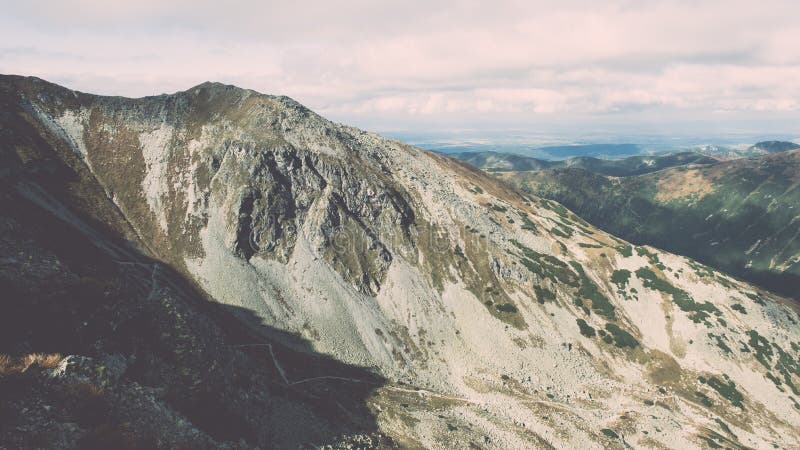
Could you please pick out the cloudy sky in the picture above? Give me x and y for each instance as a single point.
(428, 65)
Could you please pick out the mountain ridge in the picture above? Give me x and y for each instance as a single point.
(498, 319)
(629, 166)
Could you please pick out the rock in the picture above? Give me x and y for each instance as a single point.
(103, 371)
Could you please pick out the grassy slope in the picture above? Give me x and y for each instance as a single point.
(714, 214)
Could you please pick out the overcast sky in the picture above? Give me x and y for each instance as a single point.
(425, 65)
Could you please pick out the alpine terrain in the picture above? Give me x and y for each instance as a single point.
(739, 216)
(219, 268)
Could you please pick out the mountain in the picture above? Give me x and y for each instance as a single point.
(104, 346)
(229, 269)
(738, 216)
(593, 150)
(773, 147)
(632, 165)
(498, 161)
(759, 148)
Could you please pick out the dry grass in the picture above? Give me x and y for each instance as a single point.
(676, 185)
(43, 360)
(10, 365)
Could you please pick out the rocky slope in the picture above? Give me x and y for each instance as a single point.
(738, 216)
(632, 165)
(102, 346)
(461, 312)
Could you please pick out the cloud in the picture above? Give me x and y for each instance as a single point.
(416, 62)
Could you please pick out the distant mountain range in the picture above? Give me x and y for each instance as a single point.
(759, 148)
(546, 152)
(632, 165)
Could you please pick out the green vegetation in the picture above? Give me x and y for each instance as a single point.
(543, 294)
(586, 329)
(701, 270)
(762, 348)
(621, 277)
(721, 343)
(546, 266)
(724, 426)
(711, 442)
(506, 308)
(775, 380)
(625, 250)
(698, 311)
(564, 234)
(746, 205)
(755, 298)
(621, 337)
(609, 433)
(585, 245)
(526, 222)
(652, 257)
(740, 308)
(727, 390)
(498, 208)
(556, 208)
(588, 290)
(787, 366)
(704, 399)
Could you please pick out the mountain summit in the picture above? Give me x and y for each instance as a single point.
(494, 319)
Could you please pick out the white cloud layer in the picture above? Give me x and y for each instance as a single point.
(405, 64)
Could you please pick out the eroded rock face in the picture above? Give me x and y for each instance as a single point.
(498, 319)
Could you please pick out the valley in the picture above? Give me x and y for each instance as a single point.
(738, 216)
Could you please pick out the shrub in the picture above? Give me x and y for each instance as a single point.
(625, 250)
(506, 307)
(610, 433)
(586, 329)
(727, 390)
(621, 337)
(589, 291)
(681, 298)
(543, 294)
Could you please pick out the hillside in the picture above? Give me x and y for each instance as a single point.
(773, 146)
(632, 165)
(738, 216)
(316, 284)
